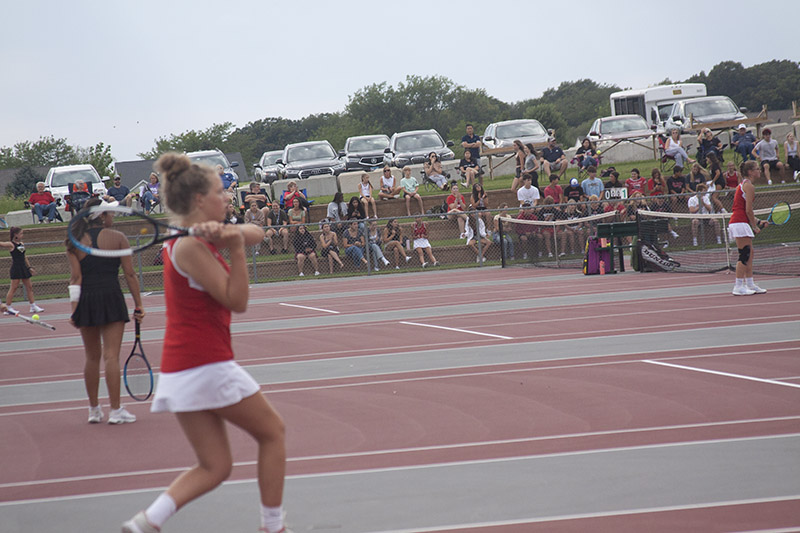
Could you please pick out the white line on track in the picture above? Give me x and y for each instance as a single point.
(718, 373)
(311, 308)
(422, 466)
(457, 329)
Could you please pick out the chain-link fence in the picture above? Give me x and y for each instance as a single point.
(552, 236)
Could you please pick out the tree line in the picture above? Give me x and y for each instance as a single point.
(422, 102)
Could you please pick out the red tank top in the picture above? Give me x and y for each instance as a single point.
(198, 327)
(739, 213)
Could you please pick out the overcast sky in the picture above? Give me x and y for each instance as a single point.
(125, 72)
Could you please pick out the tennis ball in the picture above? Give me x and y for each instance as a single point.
(143, 231)
(35, 317)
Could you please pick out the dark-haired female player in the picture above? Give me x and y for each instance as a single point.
(99, 310)
(199, 380)
(742, 227)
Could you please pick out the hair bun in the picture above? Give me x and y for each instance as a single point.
(171, 164)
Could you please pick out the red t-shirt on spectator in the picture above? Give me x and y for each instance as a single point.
(41, 198)
(554, 191)
(635, 185)
(452, 199)
(732, 179)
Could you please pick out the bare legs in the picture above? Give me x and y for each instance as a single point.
(102, 341)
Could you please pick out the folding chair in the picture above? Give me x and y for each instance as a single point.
(76, 198)
(261, 205)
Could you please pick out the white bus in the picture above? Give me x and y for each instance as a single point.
(654, 103)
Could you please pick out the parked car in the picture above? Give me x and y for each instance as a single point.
(59, 178)
(413, 147)
(619, 127)
(365, 152)
(267, 169)
(213, 158)
(702, 110)
(313, 158)
(503, 134)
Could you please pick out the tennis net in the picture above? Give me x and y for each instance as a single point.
(700, 242)
(548, 236)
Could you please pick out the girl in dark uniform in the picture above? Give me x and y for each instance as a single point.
(21, 270)
(99, 310)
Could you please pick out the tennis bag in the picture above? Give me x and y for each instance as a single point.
(593, 256)
(653, 259)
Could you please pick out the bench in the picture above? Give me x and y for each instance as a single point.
(616, 230)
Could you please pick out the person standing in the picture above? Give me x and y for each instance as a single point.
(743, 227)
(21, 270)
(200, 381)
(98, 308)
(472, 143)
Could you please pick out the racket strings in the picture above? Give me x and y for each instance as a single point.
(138, 377)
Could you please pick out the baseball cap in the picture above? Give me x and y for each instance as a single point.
(741, 126)
(526, 204)
(573, 182)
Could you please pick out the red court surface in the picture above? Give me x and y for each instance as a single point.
(412, 373)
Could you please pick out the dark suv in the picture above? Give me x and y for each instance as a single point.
(266, 170)
(365, 152)
(313, 158)
(413, 147)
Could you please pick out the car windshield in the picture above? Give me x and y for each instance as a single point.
(621, 125)
(368, 144)
(418, 142)
(211, 160)
(309, 152)
(663, 112)
(520, 129)
(723, 106)
(61, 179)
(270, 159)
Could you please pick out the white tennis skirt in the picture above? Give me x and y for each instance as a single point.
(739, 229)
(421, 243)
(205, 387)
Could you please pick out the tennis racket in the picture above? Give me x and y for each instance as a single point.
(780, 214)
(29, 320)
(137, 374)
(141, 230)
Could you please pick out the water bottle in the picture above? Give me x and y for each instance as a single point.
(602, 267)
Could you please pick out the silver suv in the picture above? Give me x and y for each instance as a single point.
(503, 134)
(213, 158)
(267, 169)
(702, 109)
(413, 147)
(313, 158)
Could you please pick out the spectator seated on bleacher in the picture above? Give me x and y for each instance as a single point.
(528, 193)
(476, 230)
(393, 242)
(708, 143)
(434, 172)
(586, 155)
(456, 205)
(232, 215)
(297, 213)
(673, 148)
(701, 203)
(553, 158)
(79, 194)
(120, 193)
(766, 151)
(329, 245)
(411, 190)
(291, 193)
(469, 168)
(254, 215)
(337, 212)
(389, 186)
(508, 242)
(354, 243)
(743, 142)
(229, 181)
(697, 175)
(355, 210)
(256, 194)
(592, 186)
(43, 204)
(276, 223)
(573, 191)
(421, 243)
(305, 248)
(554, 190)
(374, 241)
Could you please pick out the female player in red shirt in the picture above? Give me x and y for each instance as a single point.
(742, 227)
(199, 380)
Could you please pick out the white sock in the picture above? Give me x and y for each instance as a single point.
(750, 282)
(160, 510)
(272, 518)
(739, 282)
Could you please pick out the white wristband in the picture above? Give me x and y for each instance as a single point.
(74, 292)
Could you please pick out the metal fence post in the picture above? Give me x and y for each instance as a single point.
(139, 262)
(502, 240)
(255, 267)
(479, 239)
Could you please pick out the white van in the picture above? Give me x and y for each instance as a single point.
(654, 103)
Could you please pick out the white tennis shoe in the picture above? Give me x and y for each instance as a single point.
(756, 289)
(121, 416)
(139, 524)
(742, 291)
(36, 309)
(95, 415)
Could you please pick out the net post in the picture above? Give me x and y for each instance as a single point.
(555, 244)
(502, 241)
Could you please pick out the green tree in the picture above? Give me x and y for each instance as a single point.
(216, 136)
(24, 182)
(551, 118)
(46, 152)
(99, 156)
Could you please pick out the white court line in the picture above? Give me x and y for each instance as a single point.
(420, 449)
(458, 330)
(718, 373)
(311, 308)
(450, 464)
